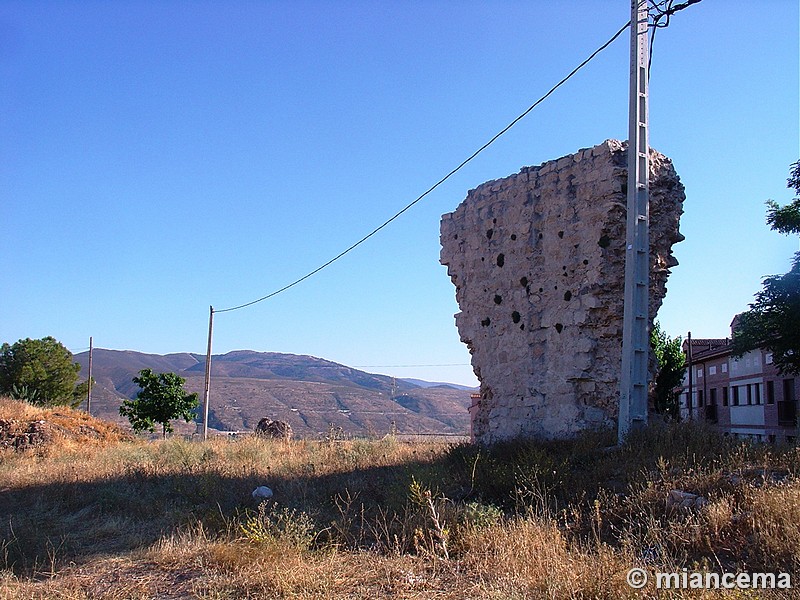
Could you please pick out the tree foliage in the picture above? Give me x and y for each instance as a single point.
(786, 219)
(773, 321)
(39, 371)
(671, 368)
(162, 399)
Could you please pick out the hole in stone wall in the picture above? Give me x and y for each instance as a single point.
(501, 260)
(498, 299)
(486, 322)
(522, 327)
(561, 234)
(585, 261)
(604, 241)
(513, 236)
(494, 221)
(541, 290)
(559, 327)
(455, 237)
(540, 236)
(489, 233)
(523, 281)
(567, 296)
(515, 316)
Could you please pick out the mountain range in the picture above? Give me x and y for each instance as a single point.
(315, 396)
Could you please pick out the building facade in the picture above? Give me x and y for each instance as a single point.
(744, 396)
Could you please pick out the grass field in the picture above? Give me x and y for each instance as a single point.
(92, 513)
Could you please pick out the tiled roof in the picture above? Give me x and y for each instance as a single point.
(702, 346)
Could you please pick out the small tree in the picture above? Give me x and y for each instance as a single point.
(773, 321)
(161, 400)
(39, 371)
(671, 368)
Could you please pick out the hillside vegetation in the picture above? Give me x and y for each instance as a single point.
(126, 518)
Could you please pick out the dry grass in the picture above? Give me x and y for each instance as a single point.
(369, 519)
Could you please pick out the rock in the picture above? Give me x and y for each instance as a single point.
(538, 263)
(280, 430)
(678, 500)
(24, 436)
(262, 492)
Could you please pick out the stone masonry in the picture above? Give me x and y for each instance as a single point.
(538, 261)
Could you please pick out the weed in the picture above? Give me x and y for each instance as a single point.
(271, 524)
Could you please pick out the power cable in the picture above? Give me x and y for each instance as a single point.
(408, 366)
(662, 9)
(438, 183)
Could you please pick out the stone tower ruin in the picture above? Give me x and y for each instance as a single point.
(538, 262)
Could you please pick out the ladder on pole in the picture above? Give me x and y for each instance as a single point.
(635, 337)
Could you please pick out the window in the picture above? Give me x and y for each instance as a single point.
(749, 394)
(724, 396)
(735, 398)
(768, 358)
(770, 392)
(712, 370)
(788, 390)
(712, 399)
(757, 393)
(724, 367)
(700, 373)
(699, 397)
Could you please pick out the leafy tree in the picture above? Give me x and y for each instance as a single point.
(786, 219)
(39, 371)
(773, 321)
(671, 368)
(161, 400)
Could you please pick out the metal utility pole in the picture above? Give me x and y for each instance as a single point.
(690, 366)
(89, 381)
(635, 338)
(208, 374)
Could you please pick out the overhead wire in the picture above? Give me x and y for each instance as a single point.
(663, 9)
(435, 185)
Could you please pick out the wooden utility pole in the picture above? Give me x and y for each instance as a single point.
(207, 387)
(635, 338)
(89, 381)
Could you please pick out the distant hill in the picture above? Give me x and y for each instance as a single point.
(428, 384)
(312, 394)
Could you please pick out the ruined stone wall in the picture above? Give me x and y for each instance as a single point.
(538, 261)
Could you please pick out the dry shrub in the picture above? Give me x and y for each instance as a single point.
(53, 431)
(530, 557)
(775, 518)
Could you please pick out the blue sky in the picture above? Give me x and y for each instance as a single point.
(160, 157)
